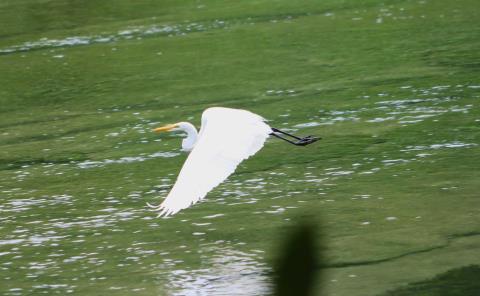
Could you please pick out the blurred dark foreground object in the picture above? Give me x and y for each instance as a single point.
(298, 266)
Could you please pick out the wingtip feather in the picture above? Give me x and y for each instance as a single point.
(152, 206)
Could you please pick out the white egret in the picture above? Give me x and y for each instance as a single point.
(227, 137)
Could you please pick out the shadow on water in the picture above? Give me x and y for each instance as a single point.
(464, 281)
(298, 266)
(298, 271)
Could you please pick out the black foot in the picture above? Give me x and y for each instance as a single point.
(298, 141)
(307, 140)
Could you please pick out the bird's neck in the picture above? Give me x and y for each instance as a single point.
(189, 142)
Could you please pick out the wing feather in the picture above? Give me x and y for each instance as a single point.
(226, 138)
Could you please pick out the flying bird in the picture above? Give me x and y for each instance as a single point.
(226, 138)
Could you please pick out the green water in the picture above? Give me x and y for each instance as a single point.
(392, 87)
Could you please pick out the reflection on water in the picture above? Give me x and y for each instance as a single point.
(426, 103)
(229, 272)
(138, 32)
(94, 164)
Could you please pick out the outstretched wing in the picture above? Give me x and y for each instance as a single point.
(226, 138)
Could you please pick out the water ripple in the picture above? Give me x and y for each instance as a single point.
(129, 33)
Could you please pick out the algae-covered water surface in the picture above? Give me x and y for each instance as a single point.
(391, 86)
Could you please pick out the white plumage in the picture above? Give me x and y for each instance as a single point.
(227, 137)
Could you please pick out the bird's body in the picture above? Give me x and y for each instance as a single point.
(227, 137)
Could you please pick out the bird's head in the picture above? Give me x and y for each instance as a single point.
(189, 141)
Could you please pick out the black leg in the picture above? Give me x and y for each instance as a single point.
(287, 140)
(300, 141)
(276, 130)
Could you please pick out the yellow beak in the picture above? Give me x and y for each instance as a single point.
(165, 128)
